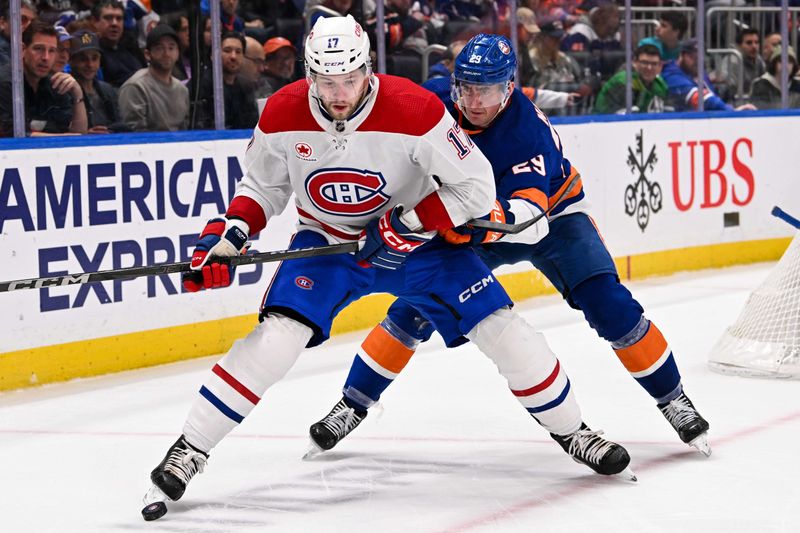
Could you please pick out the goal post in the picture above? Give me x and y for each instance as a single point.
(765, 339)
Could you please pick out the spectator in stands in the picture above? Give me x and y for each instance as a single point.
(552, 68)
(179, 22)
(445, 67)
(649, 88)
(280, 59)
(672, 26)
(152, 99)
(771, 40)
(61, 63)
(120, 57)
(403, 31)
(27, 15)
(100, 98)
(343, 7)
(241, 111)
(731, 68)
(681, 78)
(53, 102)
(599, 39)
(766, 93)
(253, 66)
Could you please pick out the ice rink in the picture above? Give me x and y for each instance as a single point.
(451, 451)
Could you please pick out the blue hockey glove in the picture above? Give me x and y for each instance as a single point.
(467, 234)
(220, 238)
(387, 241)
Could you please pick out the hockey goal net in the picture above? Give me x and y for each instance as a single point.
(765, 340)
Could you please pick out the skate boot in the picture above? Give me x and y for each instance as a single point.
(335, 426)
(179, 466)
(589, 448)
(691, 427)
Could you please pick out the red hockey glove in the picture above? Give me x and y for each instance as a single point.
(220, 238)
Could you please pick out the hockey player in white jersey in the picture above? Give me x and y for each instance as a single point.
(360, 152)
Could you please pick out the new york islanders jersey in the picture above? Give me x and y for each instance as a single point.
(346, 173)
(525, 153)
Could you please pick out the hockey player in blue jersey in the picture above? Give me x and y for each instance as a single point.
(341, 130)
(532, 177)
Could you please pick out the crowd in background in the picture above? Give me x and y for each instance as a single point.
(107, 66)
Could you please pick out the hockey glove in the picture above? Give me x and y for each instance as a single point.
(220, 238)
(387, 241)
(467, 234)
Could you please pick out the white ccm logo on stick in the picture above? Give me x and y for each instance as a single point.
(49, 282)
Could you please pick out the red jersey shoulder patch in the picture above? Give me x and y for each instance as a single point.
(403, 107)
(287, 110)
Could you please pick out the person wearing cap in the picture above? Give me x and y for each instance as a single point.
(766, 90)
(681, 77)
(553, 69)
(53, 102)
(241, 111)
(280, 57)
(99, 97)
(153, 99)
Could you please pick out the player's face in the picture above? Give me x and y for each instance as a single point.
(340, 94)
(481, 103)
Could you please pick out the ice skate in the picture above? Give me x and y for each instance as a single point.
(335, 426)
(171, 476)
(589, 448)
(691, 427)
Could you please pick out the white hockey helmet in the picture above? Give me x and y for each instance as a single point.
(336, 45)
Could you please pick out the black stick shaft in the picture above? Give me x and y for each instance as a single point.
(171, 268)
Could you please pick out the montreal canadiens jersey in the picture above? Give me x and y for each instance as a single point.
(525, 153)
(346, 173)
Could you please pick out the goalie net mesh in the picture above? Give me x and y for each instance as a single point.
(765, 340)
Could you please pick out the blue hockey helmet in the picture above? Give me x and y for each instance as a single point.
(486, 59)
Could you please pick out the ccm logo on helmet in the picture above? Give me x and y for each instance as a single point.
(347, 192)
(475, 288)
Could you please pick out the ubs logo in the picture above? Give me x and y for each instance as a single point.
(643, 195)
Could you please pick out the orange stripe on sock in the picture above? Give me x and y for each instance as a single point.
(385, 350)
(645, 352)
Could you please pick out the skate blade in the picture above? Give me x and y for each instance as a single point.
(155, 495)
(700, 443)
(313, 452)
(627, 475)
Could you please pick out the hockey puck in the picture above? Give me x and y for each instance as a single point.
(154, 511)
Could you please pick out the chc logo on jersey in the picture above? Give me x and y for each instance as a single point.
(303, 150)
(347, 192)
(304, 282)
(503, 47)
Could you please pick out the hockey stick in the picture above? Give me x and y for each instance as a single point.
(786, 217)
(502, 227)
(172, 268)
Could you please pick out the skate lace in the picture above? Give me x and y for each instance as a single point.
(184, 464)
(679, 412)
(342, 421)
(589, 445)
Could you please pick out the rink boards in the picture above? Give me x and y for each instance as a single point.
(669, 194)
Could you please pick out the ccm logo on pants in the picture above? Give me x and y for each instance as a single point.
(475, 288)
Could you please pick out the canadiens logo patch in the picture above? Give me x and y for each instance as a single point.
(304, 282)
(503, 47)
(347, 192)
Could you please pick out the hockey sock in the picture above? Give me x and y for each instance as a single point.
(383, 355)
(532, 370)
(646, 355)
(241, 377)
